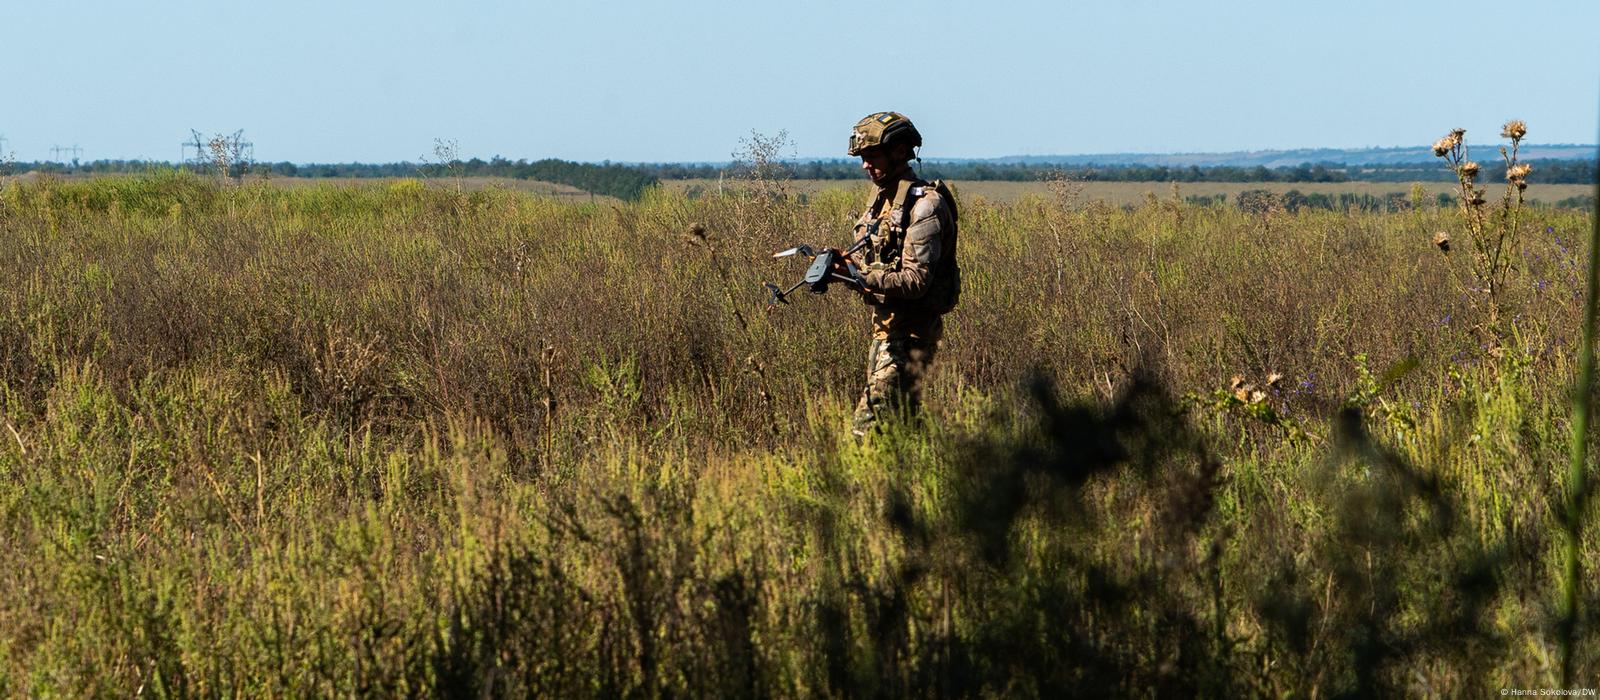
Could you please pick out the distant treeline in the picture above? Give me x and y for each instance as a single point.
(1261, 201)
(620, 181)
(628, 182)
(1544, 171)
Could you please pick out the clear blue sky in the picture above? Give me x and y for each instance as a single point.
(674, 81)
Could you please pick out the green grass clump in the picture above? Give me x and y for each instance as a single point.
(396, 440)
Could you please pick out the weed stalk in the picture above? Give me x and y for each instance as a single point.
(1492, 245)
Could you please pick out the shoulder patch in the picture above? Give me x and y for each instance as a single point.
(928, 205)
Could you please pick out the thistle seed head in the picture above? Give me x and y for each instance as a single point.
(1240, 388)
(1518, 172)
(1442, 240)
(696, 235)
(1449, 142)
(1514, 130)
(1468, 170)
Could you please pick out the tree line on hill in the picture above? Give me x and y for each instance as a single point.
(629, 182)
(1544, 171)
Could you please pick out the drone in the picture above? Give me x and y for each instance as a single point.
(821, 272)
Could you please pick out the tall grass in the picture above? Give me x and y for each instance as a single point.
(397, 440)
(1578, 472)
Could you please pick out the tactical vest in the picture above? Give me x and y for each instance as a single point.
(888, 239)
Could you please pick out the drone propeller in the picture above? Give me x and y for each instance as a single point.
(799, 249)
(777, 296)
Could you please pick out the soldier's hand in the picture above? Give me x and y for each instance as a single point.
(840, 262)
(859, 278)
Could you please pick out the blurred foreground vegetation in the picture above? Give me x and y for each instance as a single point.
(405, 441)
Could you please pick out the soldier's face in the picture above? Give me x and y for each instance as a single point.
(881, 163)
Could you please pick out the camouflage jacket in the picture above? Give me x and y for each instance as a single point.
(910, 261)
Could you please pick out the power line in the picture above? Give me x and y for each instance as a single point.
(74, 150)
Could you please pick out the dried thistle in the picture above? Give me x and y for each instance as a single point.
(1241, 389)
(1274, 379)
(1446, 147)
(1490, 243)
(697, 234)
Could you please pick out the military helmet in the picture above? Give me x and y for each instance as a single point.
(883, 129)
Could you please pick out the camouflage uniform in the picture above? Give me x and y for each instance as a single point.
(912, 280)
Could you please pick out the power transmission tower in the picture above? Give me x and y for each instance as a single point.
(202, 147)
(198, 143)
(229, 155)
(74, 150)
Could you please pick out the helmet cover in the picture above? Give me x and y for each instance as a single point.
(883, 129)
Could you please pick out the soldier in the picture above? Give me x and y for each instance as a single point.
(909, 267)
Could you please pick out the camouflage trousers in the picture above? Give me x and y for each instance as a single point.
(895, 370)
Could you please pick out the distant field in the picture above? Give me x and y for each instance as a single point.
(471, 184)
(1133, 192)
(1113, 192)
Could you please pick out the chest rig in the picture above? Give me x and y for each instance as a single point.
(885, 223)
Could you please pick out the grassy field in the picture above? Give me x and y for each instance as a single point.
(394, 440)
(1120, 193)
(1116, 193)
(552, 190)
